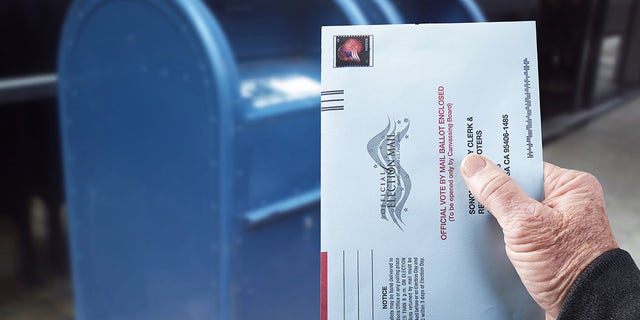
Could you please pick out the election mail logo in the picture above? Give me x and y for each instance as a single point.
(353, 51)
(394, 185)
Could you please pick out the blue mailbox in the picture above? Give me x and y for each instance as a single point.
(190, 136)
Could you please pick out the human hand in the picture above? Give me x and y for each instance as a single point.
(550, 242)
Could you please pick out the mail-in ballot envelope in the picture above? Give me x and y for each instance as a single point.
(402, 105)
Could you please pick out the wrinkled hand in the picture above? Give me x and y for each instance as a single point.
(550, 242)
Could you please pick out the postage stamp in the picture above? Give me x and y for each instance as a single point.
(353, 51)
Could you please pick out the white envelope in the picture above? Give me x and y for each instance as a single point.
(402, 237)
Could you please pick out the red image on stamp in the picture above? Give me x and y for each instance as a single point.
(349, 51)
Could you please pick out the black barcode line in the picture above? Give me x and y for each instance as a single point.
(331, 100)
(331, 92)
(336, 108)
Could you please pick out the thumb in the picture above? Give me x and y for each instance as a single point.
(498, 192)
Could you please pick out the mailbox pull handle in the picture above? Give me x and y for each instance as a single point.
(282, 208)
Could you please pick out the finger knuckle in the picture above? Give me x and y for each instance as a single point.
(497, 189)
(529, 221)
(588, 179)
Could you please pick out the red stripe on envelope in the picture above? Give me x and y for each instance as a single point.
(323, 286)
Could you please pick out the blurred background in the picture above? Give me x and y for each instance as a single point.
(203, 212)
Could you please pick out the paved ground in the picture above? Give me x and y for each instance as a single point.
(609, 147)
(51, 301)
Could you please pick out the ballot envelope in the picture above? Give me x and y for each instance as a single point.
(401, 106)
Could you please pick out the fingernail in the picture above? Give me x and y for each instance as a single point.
(472, 164)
